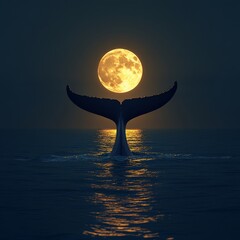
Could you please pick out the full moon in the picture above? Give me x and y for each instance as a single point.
(120, 70)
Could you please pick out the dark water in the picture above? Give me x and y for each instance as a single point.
(63, 185)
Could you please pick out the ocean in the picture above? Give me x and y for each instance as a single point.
(63, 185)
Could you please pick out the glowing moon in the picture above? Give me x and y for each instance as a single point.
(120, 70)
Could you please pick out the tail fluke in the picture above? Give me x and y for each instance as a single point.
(121, 113)
(135, 107)
(109, 108)
(130, 108)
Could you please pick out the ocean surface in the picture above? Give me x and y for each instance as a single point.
(63, 185)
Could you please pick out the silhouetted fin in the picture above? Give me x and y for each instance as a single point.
(121, 113)
(135, 107)
(109, 108)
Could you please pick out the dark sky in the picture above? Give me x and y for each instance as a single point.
(45, 45)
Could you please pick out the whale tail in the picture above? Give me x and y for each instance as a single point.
(121, 113)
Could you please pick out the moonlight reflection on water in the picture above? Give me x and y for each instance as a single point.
(123, 193)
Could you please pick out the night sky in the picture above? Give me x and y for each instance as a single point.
(45, 45)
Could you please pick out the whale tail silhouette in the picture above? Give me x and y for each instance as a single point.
(121, 113)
